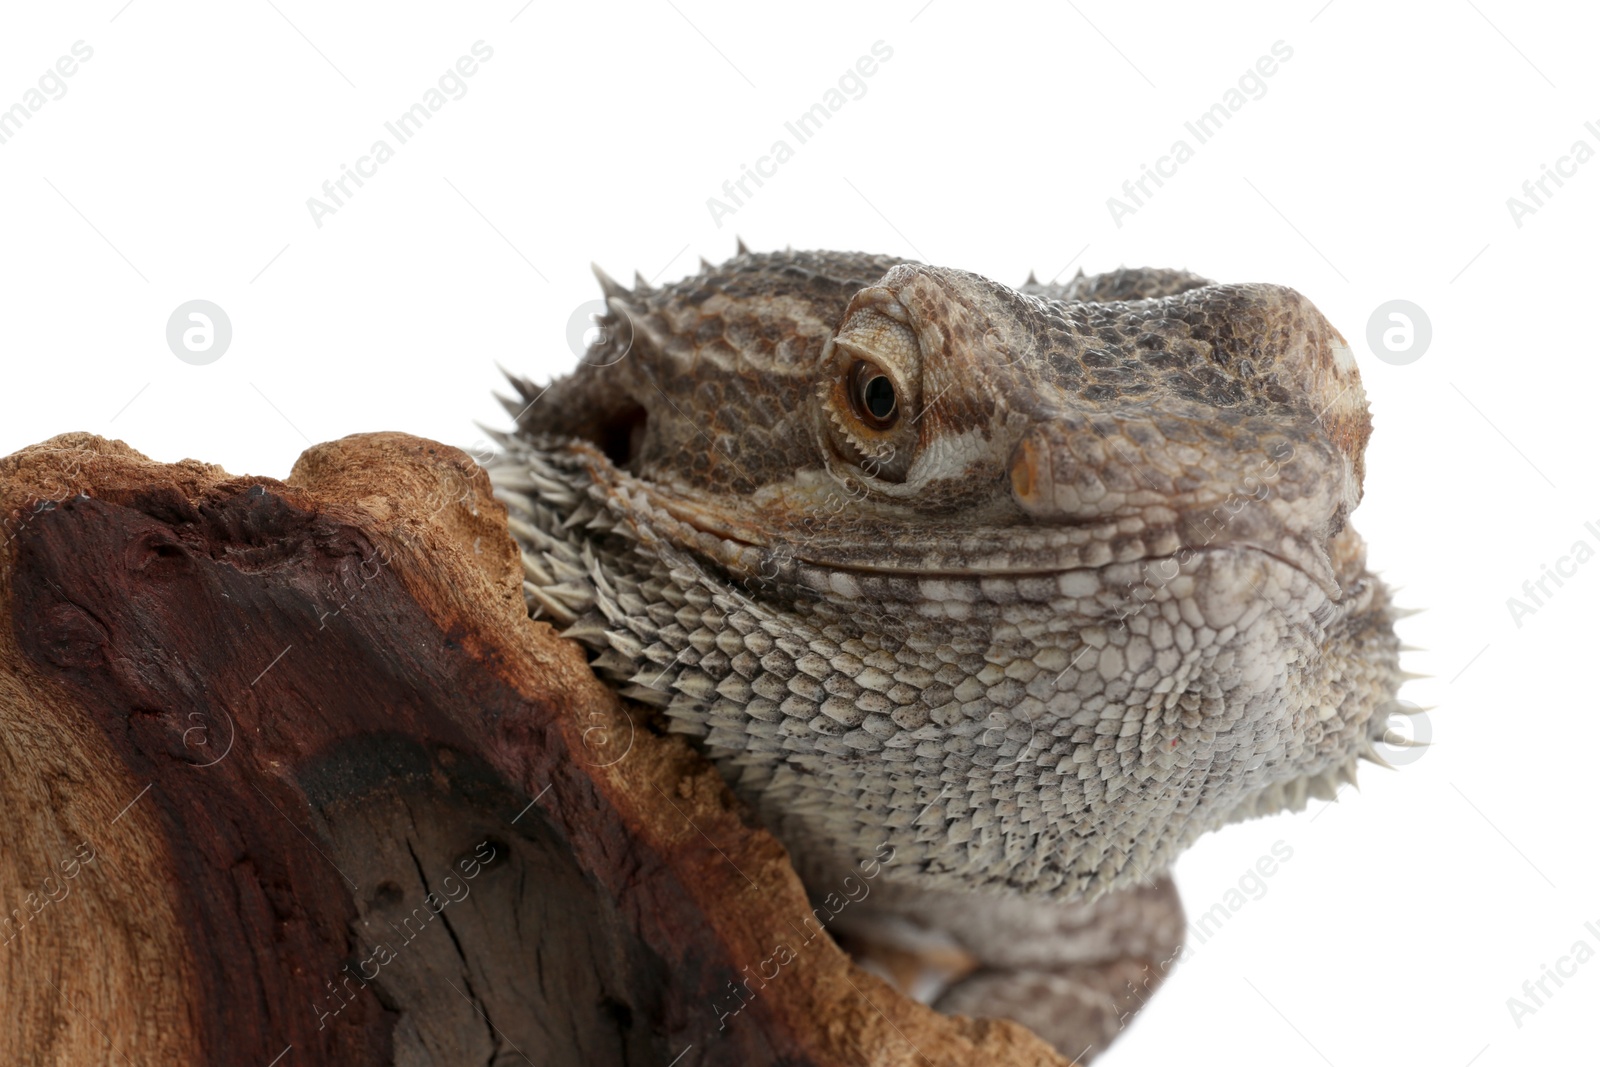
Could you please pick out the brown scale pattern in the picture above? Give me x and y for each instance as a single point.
(1108, 601)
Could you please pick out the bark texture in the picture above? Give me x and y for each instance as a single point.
(290, 778)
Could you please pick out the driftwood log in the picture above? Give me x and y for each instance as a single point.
(288, 777)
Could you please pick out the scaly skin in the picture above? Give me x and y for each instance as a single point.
(1070, 586)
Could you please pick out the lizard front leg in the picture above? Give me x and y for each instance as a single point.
(1074, 974)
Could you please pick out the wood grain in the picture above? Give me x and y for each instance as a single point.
(290, 778)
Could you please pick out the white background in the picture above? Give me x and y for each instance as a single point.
(1376, 166)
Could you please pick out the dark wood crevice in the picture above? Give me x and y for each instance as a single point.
(346, 803)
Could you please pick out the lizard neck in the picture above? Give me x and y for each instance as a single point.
(1062, 733)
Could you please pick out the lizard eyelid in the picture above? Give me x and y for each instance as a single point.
(872, 367)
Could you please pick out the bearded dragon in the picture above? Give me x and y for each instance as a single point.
(1036, 585)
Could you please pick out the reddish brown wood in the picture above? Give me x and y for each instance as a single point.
(344, 803)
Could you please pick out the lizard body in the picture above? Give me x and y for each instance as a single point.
(1036, 585)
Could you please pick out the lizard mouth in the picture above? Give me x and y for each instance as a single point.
(954, 548)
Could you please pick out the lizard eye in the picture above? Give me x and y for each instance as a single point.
(870, 389)
(872, 396)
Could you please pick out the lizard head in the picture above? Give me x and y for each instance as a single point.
(1097, 539)
(1145, 425)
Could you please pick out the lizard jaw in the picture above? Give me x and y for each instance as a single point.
(967, 550)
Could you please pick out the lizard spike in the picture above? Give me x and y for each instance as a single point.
(1371, 755)
(694, 684)
(535, 573)
(615, 662)
(565, 571)
(1324, 786)
(590, 630)
(626, 644)
(581, 514)
(516, 379)
(741, 249)
(1401, 709)
(503, 479)
(608, 285)
(1412, 648)
(514, 408)
(554, 491)
(705, 264)
(1413, 676)
(1032, 279)
(645, 327)
(1403, 613)
(645, 695)
(530, 534)
(639, 284)
(572, 594)
(647, 678)
(1347, 773)
(557, 610)
(499, 437)
(527, 389)
(682, 703)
